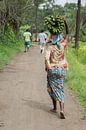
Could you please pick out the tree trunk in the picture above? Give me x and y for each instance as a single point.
(36, 21)
(77, 24)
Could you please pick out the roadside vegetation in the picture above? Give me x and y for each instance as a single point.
(10, 45)
(76, 76)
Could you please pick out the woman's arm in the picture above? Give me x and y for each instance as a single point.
(47, 58)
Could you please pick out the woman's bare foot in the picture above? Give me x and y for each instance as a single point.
(62, 115)
(53, 110)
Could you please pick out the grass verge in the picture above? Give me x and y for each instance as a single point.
(76, 76)
(8, 51)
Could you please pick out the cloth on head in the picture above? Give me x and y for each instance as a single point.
(57, 40)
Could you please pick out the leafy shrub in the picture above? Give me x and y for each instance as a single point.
(9, 46)
(82, 52)
(83, 33)
(24, 27)
(8, 37)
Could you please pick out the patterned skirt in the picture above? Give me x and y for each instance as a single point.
(55, 83)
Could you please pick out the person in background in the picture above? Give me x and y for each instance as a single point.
(27, 39)
(42, 37)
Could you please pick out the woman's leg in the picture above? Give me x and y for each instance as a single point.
(61, 106)
(54, 106)
(61, 110)
(25, 49)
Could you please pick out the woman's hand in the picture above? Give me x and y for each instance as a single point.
(49, 67)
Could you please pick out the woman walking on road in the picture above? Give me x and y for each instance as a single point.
(56, 66)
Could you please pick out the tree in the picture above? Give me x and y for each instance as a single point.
(70, 14)
(37, 10)
(11, 12)
(77, 24)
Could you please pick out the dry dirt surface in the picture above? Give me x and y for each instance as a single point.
(24, 101)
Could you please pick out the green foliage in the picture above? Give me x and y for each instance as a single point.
(83, 33)
(9, 46)
(70, 13)
(24, 27)
(82, 52)
(83, 24)
(8, 37)
(76, 76)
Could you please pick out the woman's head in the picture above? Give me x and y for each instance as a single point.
(57, 39)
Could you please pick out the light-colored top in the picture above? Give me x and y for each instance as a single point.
(42, 37)
(27, 36)
(54, 57)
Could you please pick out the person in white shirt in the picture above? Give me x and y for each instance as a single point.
(27, 39)
(42, 40)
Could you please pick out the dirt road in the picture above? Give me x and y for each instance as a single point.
(24, 101)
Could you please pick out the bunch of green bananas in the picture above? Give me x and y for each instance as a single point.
(55, 24)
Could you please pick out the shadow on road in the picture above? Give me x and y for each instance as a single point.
(40, 106)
